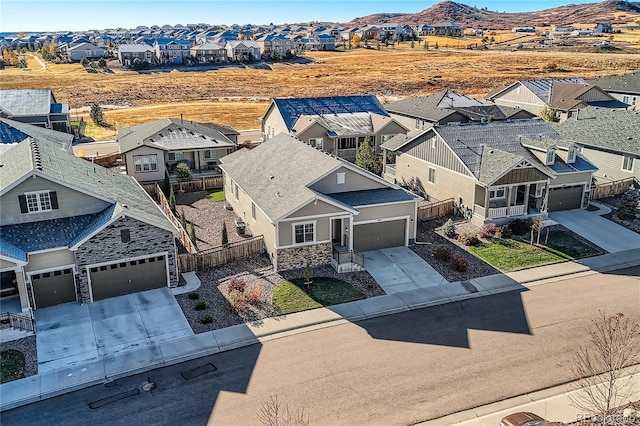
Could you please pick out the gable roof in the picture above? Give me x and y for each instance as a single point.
(604, 128)
(292, 108)
(12, 132)
(173, 134)
(344, 124)
(627, 83)
(24, 102)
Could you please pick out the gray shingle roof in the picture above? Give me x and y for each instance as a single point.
(173, 134)
(23, 102)
(628, 83)
(12, 131)
(373, 196)
(424, 107)
(614, 130)
(401, 139)
(276, 173)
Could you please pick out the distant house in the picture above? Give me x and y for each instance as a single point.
(310, 206)
(493, 171)
(275, 45)
(150, 148)
(337, 125)
(625, 88)
(130, 54)
(75, 52)
(171, 50)
(449, 106)
(35, 106)
(452, 29)
(562, 95)
(243, 50)
(609, 138)
(73, 231)
(424, 30)
(209, 53)
(523, 30)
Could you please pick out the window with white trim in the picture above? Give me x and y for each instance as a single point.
(211, 154)
(340, 178)
(175, 156)
(145, 163)
(304, 232)
(384, 138)
(627, 163)
(571, 154)
(316, 142)
(432, 175)
(551, 157)
(496, 193)
(38, 201)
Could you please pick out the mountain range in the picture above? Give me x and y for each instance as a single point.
(611, 11)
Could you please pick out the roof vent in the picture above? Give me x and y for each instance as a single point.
(490, 151)
(124, 206)
(271, 177)
(277, 194)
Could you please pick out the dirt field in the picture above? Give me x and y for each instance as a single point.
(238, 96)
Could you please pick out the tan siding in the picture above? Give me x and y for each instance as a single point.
(408, 122)
(50, 259)
(571, 179)
(312, 209)
(5, 264)
(145, 176)
(448, 184)
(317, 131)
(353, 182)
(273, 121)
(527, 174)
(70, 202)
(440, 155)
(385, 211)
(285, 228)
(522, 98)
(610, 165)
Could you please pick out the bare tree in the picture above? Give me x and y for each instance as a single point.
(272, 413)
(599, 365)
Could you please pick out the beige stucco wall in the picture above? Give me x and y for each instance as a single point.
(145, 176)
(70, 202)
(353, 182)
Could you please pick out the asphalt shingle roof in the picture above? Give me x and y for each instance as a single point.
(12, 131)
(628, 83)
(292, 108)
(24, 102)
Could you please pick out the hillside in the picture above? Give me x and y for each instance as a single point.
(613, 11)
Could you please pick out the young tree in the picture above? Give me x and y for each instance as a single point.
(612, 345)
(192, 233)
(548, 114)
(183, 220)
(96, 114)
(166, 186)
(628, 208)
(102, 63)
(366, 158)
(84, 61)
(355, 40)
(172, 200)
(308, 275)
(225, 237)
(272, 413)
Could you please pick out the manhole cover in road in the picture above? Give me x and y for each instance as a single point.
(198, 371)
(148, 386)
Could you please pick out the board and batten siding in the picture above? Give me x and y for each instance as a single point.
(70, 202)
(610, 165)
(594, 95)
(50, 259)
(521, 175)
(354, 181)
(431, 148)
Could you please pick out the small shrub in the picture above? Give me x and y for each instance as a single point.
(488, 231)
(194, 296)
(469, 238)
(449, 229)
(519, 226)
(459, 263)
(200, 306)
(236, 284)
(443, 253)
(236, 300)
(254, 293)
(206, 320)
(506, 232)
(183, 171)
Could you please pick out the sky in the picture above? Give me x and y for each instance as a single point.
(74, 15)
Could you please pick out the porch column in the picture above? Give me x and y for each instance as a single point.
(526, 198)
(509, 191)
(22, 290)
(350, 234)
(545, 202)
(487, 215)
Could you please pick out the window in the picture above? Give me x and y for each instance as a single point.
(384, 138)
(316, 142)
(145, 163)
(340, 178)
(346, 143)
(634, 100)
(496, 193)
(304, 232)
(432, 175)
(627, 163)
(625, 99)
(571, 154)
(35, 202)
(175, 156)
(253, 211)
(211, 154)
(551, 156)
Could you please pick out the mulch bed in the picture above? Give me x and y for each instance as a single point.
(26, 345)
(613, 203)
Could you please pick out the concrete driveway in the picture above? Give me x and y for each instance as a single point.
(399, 269)
(600, 231)
(71, 333)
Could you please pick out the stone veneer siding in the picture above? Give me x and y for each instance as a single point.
(107, 246)
(297, 257)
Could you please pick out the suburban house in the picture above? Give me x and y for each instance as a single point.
(495, 170)
(209, 53)
(610, 139)
(35, 106)
(130, 54)
(625, 88)
(73, 231)
(561, 95)
(243, 50)
(13, 132)
(171, 50)
(151, 148)
(449, 106)
(276, 45)
(322, 206)
(75, 52)
(337, 125)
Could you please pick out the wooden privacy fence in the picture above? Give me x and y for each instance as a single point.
(220, 255)
(611, 189)
(182, 233)
(198, 184)
(435, 210)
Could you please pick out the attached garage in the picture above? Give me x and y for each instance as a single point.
(53, 288)
(121, 278)
(379, 235)
(566, 198)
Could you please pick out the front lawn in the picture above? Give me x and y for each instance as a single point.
(569, 244)
(512, 255)
(216, 195)
(292, 296)
(12, 365)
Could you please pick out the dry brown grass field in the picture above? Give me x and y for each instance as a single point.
(238, 96)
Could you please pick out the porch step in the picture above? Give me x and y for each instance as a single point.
(346, 267)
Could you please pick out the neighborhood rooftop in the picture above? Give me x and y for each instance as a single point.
(24, 102)
(12, 132)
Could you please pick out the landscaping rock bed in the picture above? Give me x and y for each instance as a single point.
(429, 237)
(613, 203)
(26, 345)
(214, 291)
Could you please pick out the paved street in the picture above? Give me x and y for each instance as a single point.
(397, 369)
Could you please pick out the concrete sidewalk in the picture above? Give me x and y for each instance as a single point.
(159, 354)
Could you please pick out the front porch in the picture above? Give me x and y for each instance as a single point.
(507, 201)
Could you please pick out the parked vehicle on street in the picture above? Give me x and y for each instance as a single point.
(527, 419)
